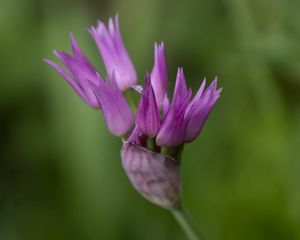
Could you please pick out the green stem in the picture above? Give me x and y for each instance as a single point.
(151, 144)
(130, 99)
(185, 223)
(174, 152)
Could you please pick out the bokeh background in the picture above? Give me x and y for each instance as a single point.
(60, 170)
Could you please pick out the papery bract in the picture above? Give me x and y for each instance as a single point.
(154, 175)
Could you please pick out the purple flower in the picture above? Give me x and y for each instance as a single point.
(147, 117)
(114, 53)
(170, 124)
(117, 113)
(199, 109)
(159, 75)
(185, 119)
(172, 131)
(152, 149)
(79, 72)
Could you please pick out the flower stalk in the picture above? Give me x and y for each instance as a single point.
(185, 223)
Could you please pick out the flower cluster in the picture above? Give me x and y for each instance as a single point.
(153, 139)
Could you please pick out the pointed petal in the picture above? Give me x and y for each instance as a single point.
(199, 111)
(165, 105)
(159, 75)
(180, 87)
(197, 96)
(173, 128)
(74, 84)
(117, 113)
(200, 90)
(81, 72)
(137, 137)
(114, 53)
(147, 118)
(172, 131)
(86, 67)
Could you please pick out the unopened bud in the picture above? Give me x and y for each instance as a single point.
(154, 175)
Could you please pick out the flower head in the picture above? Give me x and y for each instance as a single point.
(151, 151)
(113, 52)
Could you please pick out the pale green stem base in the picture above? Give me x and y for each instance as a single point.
(185, 223)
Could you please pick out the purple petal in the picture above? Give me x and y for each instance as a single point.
(198, 113)
(173, 128)
(200, 90)
(171, 132)
(87, 68)
(159, 75)
(74, 84)
(180, 87)
(114, 53)
(137, 137)
(147, 118)
(165, 105)
(197, 96)
(117, 113)
(80, 71)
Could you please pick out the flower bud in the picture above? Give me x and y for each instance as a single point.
(154, 175)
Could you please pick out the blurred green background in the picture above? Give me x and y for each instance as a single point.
(60, 169)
